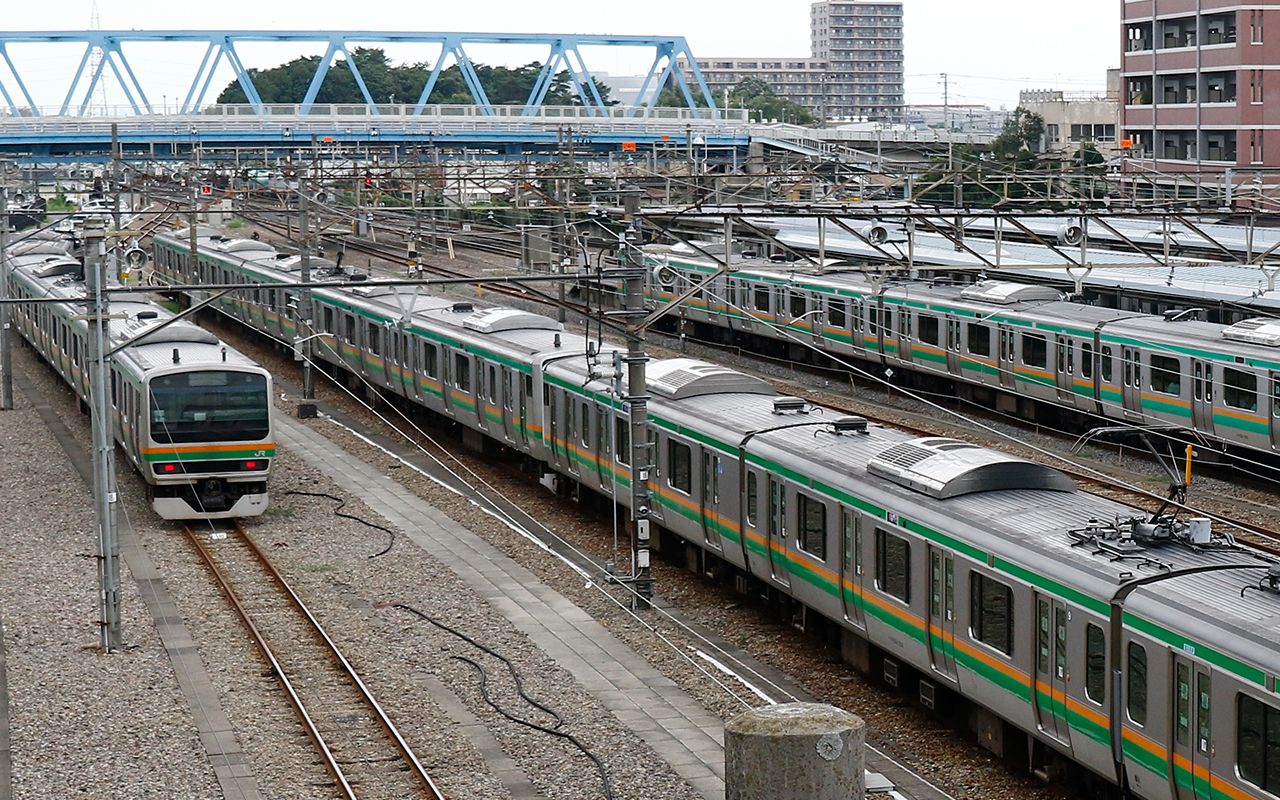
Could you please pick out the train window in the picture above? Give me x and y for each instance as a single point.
(1035, 350)
(979, 339)
(873, 316)
(493, 384)
(991, 613)
(753, 497)
(679, 466)
(799, 304)
(762, 298)
(1182, 704)
(1258, 743)
(837, 313)
(927, 328)
(1106, 366)
(1095, 664)
(351, 329)
(622, 433)
(431, 360)
(813, 526)
(1166, 375)
(586, 423)
(1086, 359)
(462, 372)
(373, 342)
(1239, 389)
(508, 391)
(327, 312)
(1137, 697)
(893, 565)
(1275, 396)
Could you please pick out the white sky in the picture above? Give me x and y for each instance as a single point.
(990, 48)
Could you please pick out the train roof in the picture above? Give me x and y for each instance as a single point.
(1005, 510)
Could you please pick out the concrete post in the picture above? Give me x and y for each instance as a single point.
(795, 751)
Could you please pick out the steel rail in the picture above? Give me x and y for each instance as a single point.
(330, 760)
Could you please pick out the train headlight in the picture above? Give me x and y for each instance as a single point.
(168, 468)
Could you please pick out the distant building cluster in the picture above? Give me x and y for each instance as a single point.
(854, 71)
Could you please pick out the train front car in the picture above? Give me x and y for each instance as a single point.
(208, 435)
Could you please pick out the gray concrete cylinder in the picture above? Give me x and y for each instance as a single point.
(795, 751)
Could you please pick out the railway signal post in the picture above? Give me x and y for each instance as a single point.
(636, 402)
(104, 488)
(6, 343)
(305, 330)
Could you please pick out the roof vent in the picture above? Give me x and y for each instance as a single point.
(848, 424)
(679, 378)
(1258, 330)
(462, 308)
(1004, 293)
(497, 320)
(789, 405)
(942, 468)
(146, 315)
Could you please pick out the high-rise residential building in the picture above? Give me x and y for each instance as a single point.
(1196, 74)
(854, 70)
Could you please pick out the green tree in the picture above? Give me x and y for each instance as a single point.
(1020, 136)
(388, 83)
(753, 94)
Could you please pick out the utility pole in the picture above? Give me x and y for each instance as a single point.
(946, 122)
(104, 488)
(191, 229)
(304, 330)
(6, 343)
(636, 404)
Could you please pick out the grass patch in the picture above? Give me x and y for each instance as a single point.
(235, 223)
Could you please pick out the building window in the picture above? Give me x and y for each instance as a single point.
(1166, 375)
(1258, 743)
(1137, 697)
(1240, 389)
(1035, 351)
(1052, 135)
(680, 459)
(813, 526)
(893, 565)
(991, 613)
(1095, 665)
(1255, 27)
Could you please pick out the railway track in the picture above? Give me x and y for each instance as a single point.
(358, 742)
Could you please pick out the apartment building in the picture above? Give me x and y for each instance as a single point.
(1196, 76)
(854, 70)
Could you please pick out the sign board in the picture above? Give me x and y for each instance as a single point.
(206, 190)
(628, 147)
(1126, 144)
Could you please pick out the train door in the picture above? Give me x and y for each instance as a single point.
(954, 343)
(484, 374)
(1051, 668)
(818, 316)
(711, 497)
(1191, 740)
(525, 384)
(510, 425)
(1006, 357)
(904, 334)
(851, 562)
(778, 532)
(1131, 376)
(942, 612)
(1202, 396)
(551, 421)
(1066, 371)
(1275, 410)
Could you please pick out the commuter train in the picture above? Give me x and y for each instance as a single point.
(191, 414)
(1136, 650)
(1003, 343)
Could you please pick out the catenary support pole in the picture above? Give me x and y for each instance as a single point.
(104, 488)
(305, 330)
(636, 404)
(6, 340)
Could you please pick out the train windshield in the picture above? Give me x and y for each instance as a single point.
(210, 406)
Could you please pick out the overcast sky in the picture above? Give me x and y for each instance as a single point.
(990, 48)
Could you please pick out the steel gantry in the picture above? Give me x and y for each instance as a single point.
(105, 49)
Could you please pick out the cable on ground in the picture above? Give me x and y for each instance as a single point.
(338, 512)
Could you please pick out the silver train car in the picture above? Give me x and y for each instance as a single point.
(1136, 652)
(1001, 342)
(191, 414)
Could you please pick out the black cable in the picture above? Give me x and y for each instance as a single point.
(338, 512)
(515, 676)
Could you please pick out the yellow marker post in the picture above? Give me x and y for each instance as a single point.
(1186, 478)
